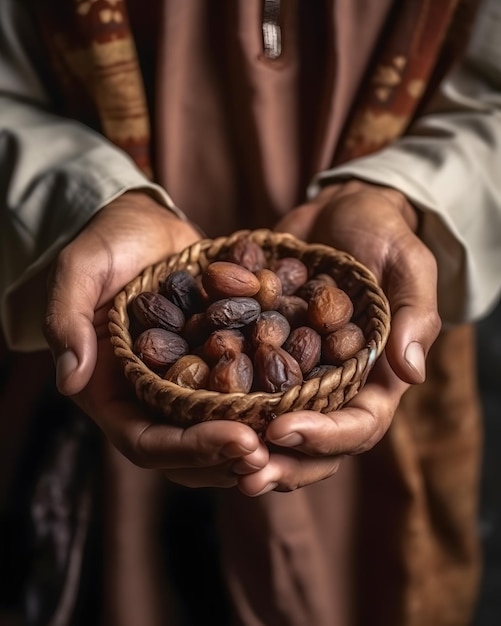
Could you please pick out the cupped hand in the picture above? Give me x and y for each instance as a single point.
(377, 226)
(126, 236)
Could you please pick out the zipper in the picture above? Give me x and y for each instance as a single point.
(272, 32)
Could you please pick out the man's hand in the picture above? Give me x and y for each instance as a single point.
(125, 237)
(376, 225)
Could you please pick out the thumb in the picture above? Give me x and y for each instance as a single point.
(69, 325)
(415, 325)
(408, 345)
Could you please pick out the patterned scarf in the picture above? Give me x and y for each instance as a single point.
(98, 75)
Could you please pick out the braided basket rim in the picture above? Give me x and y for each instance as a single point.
(186, 406)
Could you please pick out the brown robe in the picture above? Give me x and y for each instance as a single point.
(237, 138)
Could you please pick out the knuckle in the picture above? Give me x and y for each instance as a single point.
(288, 487)
(376, 428)
(435, 323)
(49, 326)
(325, 445)
(53, 325)
(135, 448)
(365, 446)
(430, 327)
(197, 446)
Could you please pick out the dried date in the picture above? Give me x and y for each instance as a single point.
(232, 312)
(292, 272)
(304, 344)
(153, 310)
(195, 330)
(270, 289)
(307, 290)
(248, 254)
(320, 370)
(342, 344)
(224, 340)
(275, 369)
(181, 288)
(270, 327)
(158, 348)
(222, 279)
(329, 308)
(233, 373)
(294, 309)
(190, 372)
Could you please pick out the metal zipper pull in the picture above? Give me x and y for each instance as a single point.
(272, 33)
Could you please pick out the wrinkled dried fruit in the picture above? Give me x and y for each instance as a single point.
(223, 340)
(270, 327)
(320, 370)
(304, 344)
(275, 369)
(152, 310)
(342, 344)
(327, 278)
(329, 308)
(222, 279)
(233, 373)
(294, 309)
(245, 324)
(189, 371)
(195, 330)
(181, 288)
(203, 293)
(158, 348)
(306, 291)
(232, 312)
(270, 289)
(292, 272)
(247, 253)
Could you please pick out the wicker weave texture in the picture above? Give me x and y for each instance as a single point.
(330, 392)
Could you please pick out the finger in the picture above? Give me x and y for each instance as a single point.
(201, 445)
(223, 474)
(352, 430)
(415, 322)
(219, 476)
(288, 472)
(162, 446)
(111, 402)
(201, 456)
(69, 324)
(253, 462)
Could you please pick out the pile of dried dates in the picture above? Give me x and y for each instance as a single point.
(245, 324)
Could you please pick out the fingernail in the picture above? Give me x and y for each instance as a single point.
(414, 355)
(66, 364)
(233, 449)
(242, 468)
(289, 441)
(269, 487)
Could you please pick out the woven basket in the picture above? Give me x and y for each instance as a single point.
(185, 407)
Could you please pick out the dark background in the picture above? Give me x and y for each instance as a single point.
(489, 380)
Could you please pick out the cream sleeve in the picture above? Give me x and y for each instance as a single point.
(55, 174)
(449, 167)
